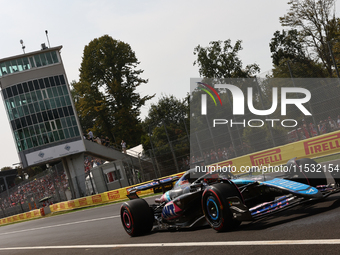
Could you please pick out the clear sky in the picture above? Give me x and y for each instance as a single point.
(163, 35)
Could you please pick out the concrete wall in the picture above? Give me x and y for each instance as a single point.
(101, 180)
(74, 167)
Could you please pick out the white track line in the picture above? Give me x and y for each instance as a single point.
(58, 225)
(150, 245)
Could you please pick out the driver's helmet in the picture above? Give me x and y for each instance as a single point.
(188, 177)
(183, 180)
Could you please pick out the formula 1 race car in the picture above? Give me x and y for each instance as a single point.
(225, 200)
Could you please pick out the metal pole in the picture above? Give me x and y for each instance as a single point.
(211, 134)
(238, 132)
(93, 189)
(153, 152)
(291, 76)
(61, 186)
(261, 99)
(133, 171)
(6, 187)
(334, 63)
(78, 187)
(153, 163)
(232, 141)
(186, 129)
(229, 130)
(310, 106)
(104, 179)
(55, 188)
(46, 32)
(69, 178)
(199, 145)
(117, 171)
(172, 150)
(141, 167)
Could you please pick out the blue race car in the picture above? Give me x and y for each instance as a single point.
(225, 200)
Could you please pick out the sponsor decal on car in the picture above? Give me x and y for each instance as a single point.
(170, 211)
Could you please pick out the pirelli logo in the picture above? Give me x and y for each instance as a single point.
(267, 157)
(112, 195)
(82, 201)
(326, 143)
(71, 204)
(97, 199)
(225, 163)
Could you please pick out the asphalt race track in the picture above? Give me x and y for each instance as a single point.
(312, 229)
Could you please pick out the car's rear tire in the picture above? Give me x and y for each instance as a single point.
(137, 217)
(216, 207)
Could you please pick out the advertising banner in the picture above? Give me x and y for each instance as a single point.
(55, 152)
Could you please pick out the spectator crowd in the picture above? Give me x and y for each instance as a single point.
(306, 130)
(216, 155)
(105, 141)
(35, 189)
(91, 162)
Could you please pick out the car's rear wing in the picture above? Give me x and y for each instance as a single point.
(157, 183)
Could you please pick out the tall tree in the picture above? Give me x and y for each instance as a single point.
(85, 102)
(174, 113)
(220, 60)
(288, 51)
(335, 44)
(106, 90)
(168, 119)
(5, 168)
(286, 45)
(316, 23)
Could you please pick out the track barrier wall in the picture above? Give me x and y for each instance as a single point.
(315, 147)
(22, 216)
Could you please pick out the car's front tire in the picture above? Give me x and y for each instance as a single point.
(216, 207)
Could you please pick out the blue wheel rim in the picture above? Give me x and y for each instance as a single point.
(212, 209)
